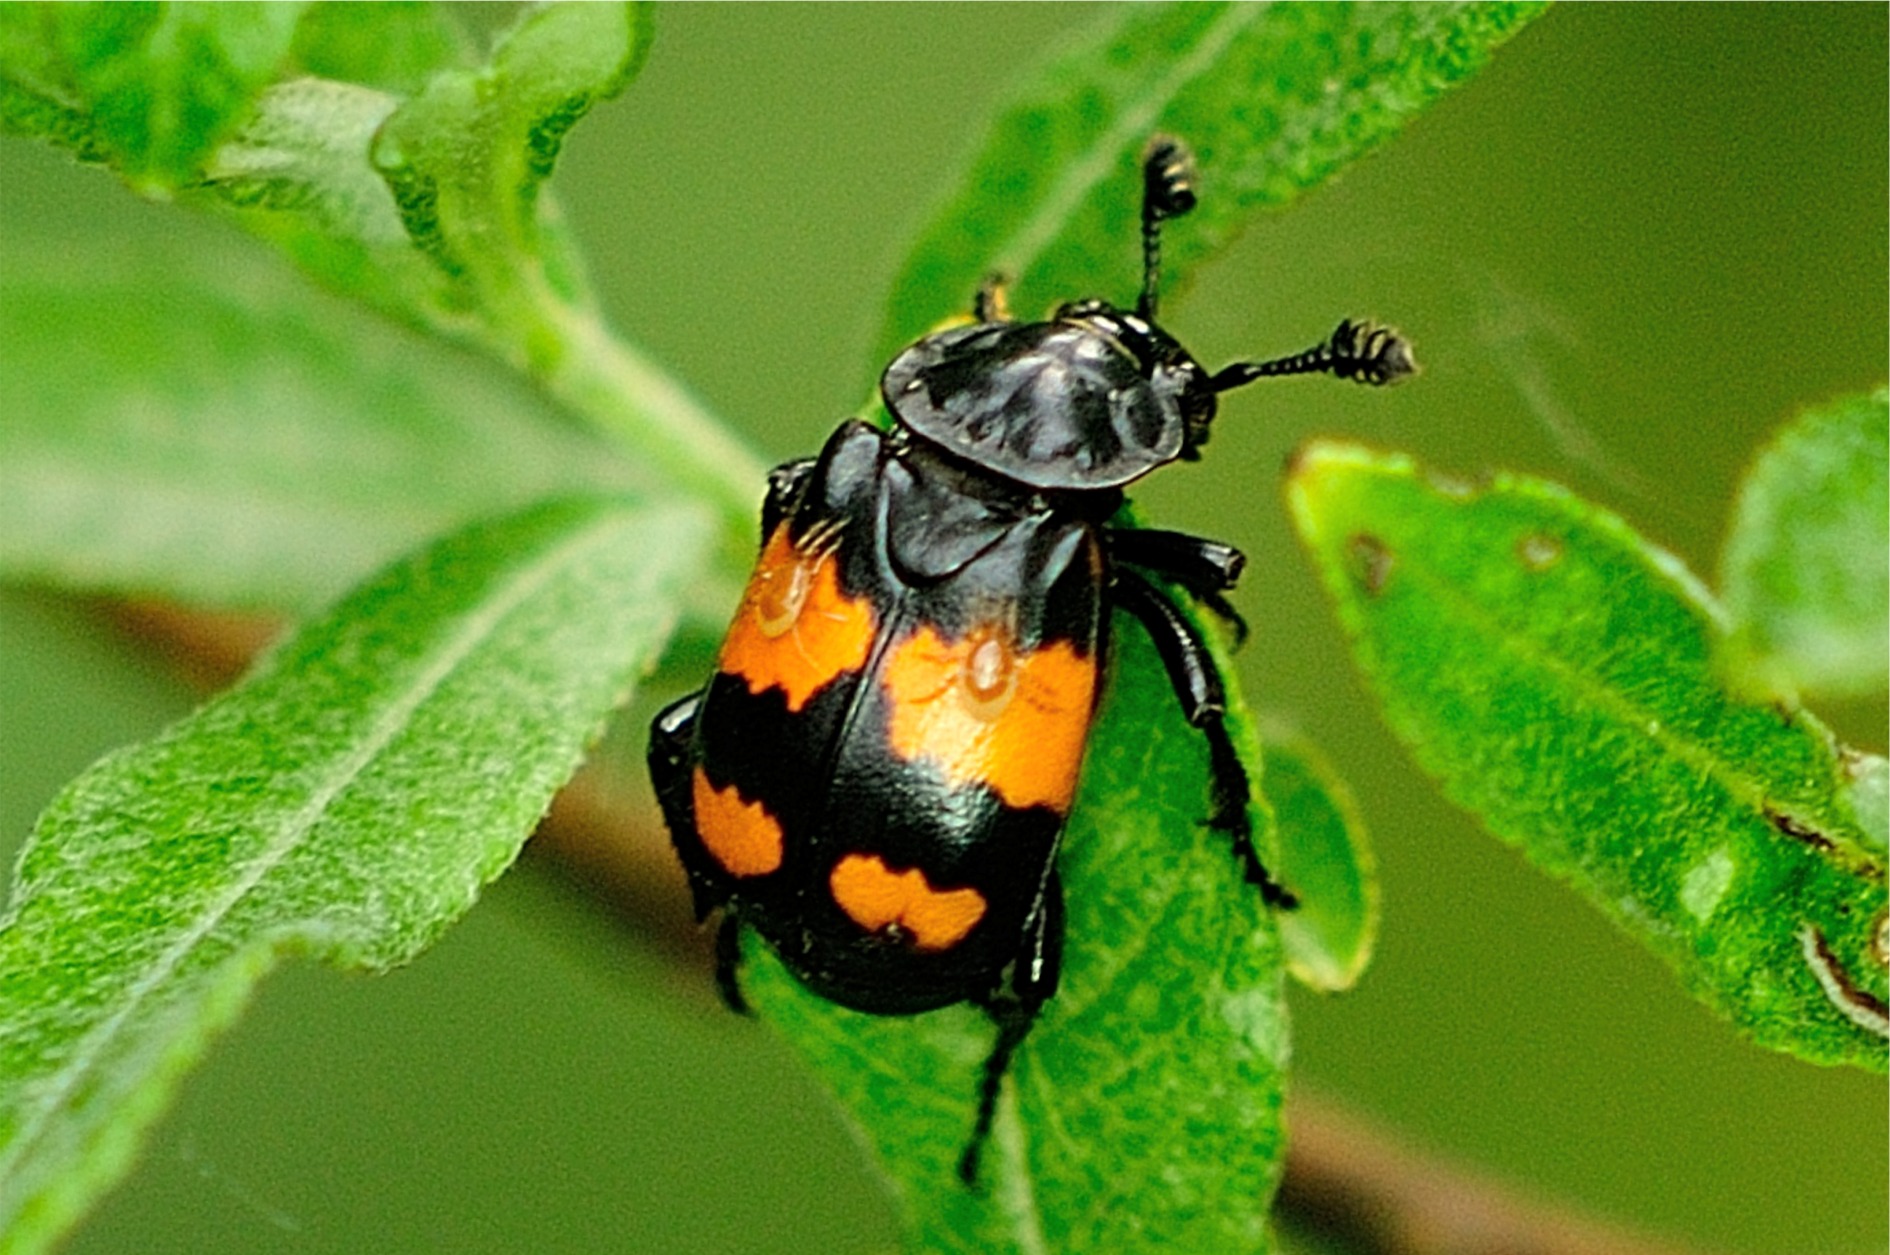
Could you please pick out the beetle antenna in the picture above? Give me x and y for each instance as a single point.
(1167, 192)
(1363, 352)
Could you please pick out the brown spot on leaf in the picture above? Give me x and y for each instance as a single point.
(1370, 562)
(1860, 1006)
(1798, 830)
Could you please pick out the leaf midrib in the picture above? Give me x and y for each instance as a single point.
(1742, 790)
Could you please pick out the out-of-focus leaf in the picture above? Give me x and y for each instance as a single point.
(150, 89)
(1554, 671)
(1326, 859)
(222, 435)
(468, 157)
(348, 800)
(434, 209)
(1273, 98)
(393, 45)
(1806, 573)
(1143, 1113)
(306, 150)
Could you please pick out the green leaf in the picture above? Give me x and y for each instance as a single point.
(149, 88)
(1554, 671)
(1806, 572)
(347, 800)
(394, 45)
(1143, 1112)
(305, 149)
(1274, 99)
(222, 435)
(434, 210)
(467, 159)
(1326, 859)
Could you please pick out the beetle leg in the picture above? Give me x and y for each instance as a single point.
(1206, 568)
(1033, 979)
(1204, 701)
(728, 962)
(785, 485)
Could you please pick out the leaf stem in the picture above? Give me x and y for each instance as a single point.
(637, 403)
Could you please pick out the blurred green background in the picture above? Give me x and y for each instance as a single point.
(1625, 252)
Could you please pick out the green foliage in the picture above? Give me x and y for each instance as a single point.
(1326, 859)
(1274, 100)
(149, 89)
(350, 797)
(1807, 566)
(395, 46)
(1554, 671)
(224, 437)
(347, 800)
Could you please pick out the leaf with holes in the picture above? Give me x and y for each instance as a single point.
(1555, 671)
(348, 799)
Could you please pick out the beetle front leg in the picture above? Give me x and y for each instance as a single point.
(1208, 569)
(1197, 683)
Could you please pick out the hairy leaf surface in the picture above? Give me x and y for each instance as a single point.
(1554, 670)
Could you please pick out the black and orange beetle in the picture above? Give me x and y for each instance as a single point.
(877, 774)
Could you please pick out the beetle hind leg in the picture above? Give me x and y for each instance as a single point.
(1032, 980)
(728, 962)
(1014, 1021)
(1204, 701)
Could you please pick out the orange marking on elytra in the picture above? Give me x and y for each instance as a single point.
(876, 898)
(742, 836)
(796, 631)
(987, 712)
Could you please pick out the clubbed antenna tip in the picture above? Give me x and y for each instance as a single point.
(1167, 192)
(1368, 353)
(1167, 178)
(1363, 352)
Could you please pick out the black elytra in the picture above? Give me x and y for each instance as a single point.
(877, 775)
